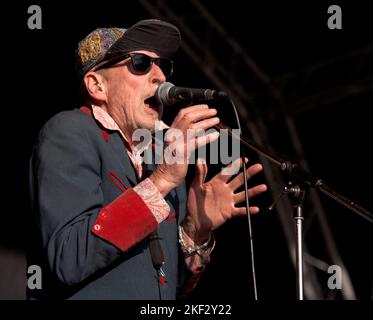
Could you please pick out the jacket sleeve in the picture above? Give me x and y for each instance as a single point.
(68, 201)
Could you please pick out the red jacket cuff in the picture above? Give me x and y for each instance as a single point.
(126, 221)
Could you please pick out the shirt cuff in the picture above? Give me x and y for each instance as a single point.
(153, 199)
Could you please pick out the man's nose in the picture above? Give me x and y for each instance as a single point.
(157, 74)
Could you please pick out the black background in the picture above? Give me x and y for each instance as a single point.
(281, 37)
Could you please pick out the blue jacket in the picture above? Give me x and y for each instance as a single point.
(77, 169)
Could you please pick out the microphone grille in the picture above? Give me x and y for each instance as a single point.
(162, 93)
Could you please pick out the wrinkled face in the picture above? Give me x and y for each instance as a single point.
(127, 94)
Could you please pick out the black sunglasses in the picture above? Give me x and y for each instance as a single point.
(141, 63)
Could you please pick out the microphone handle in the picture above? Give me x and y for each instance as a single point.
(190, 94)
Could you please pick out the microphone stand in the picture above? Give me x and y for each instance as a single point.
(299, 182)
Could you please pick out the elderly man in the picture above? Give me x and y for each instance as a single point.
(107, 225)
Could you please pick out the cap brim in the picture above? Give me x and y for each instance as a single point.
(153, 35)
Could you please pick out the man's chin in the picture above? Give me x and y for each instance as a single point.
(149, 125)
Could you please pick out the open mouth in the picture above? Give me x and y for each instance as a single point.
(152, 103)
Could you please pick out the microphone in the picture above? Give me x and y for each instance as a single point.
(168, 94)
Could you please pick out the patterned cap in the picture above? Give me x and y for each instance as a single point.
(92, 49)
(105, 44)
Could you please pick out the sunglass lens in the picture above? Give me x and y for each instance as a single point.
(166, 65)
(141, 63)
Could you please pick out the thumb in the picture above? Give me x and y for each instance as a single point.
(201, 172)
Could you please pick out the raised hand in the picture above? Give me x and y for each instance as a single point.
(212, 203)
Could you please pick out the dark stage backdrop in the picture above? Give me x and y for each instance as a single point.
(281, 38)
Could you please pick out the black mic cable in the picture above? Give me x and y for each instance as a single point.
(246, 198)
(168, 94)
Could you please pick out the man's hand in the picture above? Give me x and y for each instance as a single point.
(212, 203)
(172, 171)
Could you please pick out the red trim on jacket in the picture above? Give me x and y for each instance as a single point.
(171, 217)
(117, 181)
(125, 221)
(89, 112)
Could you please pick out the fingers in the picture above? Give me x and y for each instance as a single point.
(205, 124)
(193, 108)
(231, 170)
(204, 140)
(178, 150)
(189, 124)
(201, 172)
(195, 118)
(242, 211)
(240, 197)
(239, 180)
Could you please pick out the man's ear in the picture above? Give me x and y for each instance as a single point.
(95, 85)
